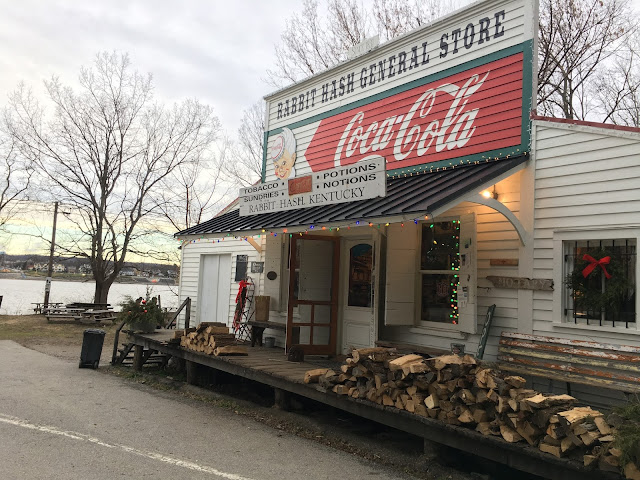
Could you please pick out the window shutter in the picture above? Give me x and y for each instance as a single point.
(467, 303)
(401, 268)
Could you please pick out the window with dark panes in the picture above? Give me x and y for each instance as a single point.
(439, 267)
(600, 282)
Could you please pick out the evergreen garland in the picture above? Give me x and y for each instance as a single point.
(589, 293)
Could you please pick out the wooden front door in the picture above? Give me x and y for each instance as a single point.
(313, 294)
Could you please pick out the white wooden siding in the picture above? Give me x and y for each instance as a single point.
(496, 238)
(585, 178)
(190, 269)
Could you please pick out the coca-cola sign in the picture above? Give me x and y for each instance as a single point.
(471, 112)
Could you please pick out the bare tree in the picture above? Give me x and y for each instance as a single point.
(194, 192)
(396, 17)
(582, 43)
(576, 38)
(104, 149)
(313, 42)
(617, 88)
(15, 179)
(244, 161)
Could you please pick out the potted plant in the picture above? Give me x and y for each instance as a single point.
(142, 314)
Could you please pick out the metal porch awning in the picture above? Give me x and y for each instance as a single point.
(408, 195)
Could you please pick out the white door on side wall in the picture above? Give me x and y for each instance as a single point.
(215, 288)
(358, 299)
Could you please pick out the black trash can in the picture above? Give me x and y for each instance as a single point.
(91, 348)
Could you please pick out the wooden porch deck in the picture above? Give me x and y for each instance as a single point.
(269, 366)
(269, 361)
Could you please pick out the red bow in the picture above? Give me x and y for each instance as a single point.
(243, 284)
(594, 263)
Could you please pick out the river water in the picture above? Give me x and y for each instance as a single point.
(19, 294)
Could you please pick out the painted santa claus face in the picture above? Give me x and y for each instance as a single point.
(283, 154)
(284, 164)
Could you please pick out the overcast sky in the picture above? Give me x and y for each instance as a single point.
(216, 51)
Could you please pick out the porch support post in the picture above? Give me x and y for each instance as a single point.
(138, 359)
(192, 372)
(282, 399)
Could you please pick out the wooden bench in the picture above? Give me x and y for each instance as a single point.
(89, 306)
(40, 306)
(616, 367)
(258, 328)
(99, 315)
(62, 317)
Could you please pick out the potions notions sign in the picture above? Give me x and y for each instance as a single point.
(455, 91)
(361, 181)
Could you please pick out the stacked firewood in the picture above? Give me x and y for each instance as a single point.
(456, 390)
(211, 338)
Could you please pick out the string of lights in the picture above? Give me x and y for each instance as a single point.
(306, 230)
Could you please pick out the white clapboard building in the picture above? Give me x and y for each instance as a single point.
(410, 188)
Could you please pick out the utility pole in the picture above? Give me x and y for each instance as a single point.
(47, 286)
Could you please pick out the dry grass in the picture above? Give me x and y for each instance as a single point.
(62, 340)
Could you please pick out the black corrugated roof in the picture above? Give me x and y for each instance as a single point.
(412, 194)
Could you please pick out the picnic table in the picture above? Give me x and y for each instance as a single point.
(99, 315)
(88, 306)
(40, 306)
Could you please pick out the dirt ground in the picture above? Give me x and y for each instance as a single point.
(330, 427)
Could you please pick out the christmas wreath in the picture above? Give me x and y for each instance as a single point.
(600, 281)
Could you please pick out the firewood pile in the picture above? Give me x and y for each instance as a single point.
(211, 338)
(459, 391)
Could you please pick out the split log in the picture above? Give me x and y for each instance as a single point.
(541, 401)
(466, 417)
(589, 438)
(589, 460)
(577, 415)
(312, 376)
(362, 353)
(631, 471)
(552, 449)
(421, 410)
(432, 401)
(515, 381)
(231, 350)
(398, 363)
(341, 389)
(602, 425)
(509, 434)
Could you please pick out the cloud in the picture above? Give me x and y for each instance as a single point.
(215, 51)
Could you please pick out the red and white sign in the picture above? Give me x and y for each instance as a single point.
(471, 112)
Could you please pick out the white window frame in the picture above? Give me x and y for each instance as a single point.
(559, 297)
(419, 272)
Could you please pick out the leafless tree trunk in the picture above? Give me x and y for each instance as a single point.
(104, 149)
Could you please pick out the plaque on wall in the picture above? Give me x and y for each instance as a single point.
(257, 267)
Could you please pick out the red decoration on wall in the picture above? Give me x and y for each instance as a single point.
(594, 263)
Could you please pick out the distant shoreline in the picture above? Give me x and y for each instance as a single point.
(88, 279)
